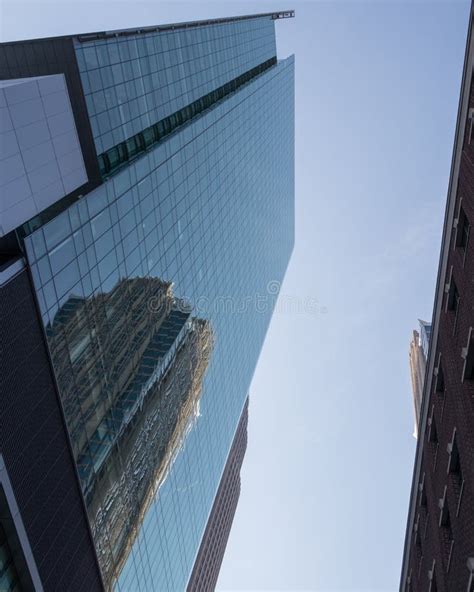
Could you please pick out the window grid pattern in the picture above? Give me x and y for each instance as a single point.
(116, 157)
(132, 83)
(211, 552)
(210, 209)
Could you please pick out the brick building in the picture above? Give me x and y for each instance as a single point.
(439, 545)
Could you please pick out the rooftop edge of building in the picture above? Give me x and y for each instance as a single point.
(98, 35)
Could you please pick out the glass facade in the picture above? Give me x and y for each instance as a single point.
(425, 337)
(131, 83)
(119, 155)
(156, 289)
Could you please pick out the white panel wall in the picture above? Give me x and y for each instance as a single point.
(40, 155)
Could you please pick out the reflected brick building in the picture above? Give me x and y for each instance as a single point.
(130, 390)
(439, 545)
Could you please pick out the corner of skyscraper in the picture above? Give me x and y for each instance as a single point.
(147, 197)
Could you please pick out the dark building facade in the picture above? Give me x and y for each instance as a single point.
(147, 194)
(211, 551)
(439, 545)
(39, 491)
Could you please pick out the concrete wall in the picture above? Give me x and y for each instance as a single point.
(40, 155)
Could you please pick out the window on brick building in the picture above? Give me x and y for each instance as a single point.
(447, 287)
(439, 376)
(422, 489)
(432, 432)
(445, 525)
(462, 230)
(470, 567)
(409, 586)
(432, 437)
(453, 297)
(467, 354)
(470, 126)
(454, 467)
(433, 586)
(426, 524)
(417, 533)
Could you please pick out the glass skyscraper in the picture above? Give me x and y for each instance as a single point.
(155, 222)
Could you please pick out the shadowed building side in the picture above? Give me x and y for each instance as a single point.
(43, 523)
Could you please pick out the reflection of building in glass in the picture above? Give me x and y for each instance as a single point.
(130, 366)
(418, 356)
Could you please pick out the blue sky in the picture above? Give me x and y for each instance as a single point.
(326, 479)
